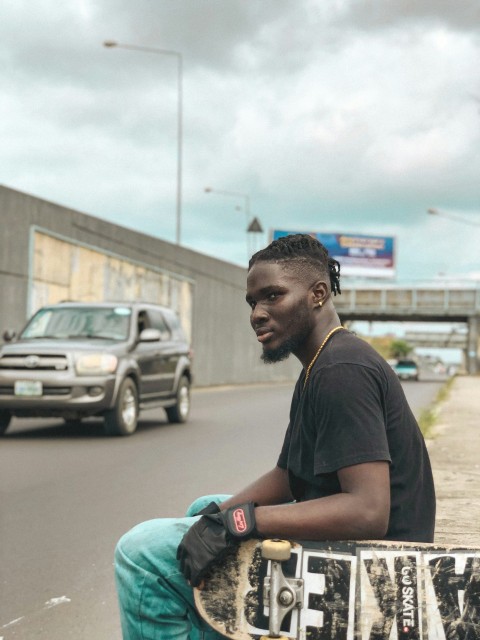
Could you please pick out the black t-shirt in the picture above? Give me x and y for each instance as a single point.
(353, 410)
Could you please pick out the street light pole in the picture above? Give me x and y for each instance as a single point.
(472, 322)
(253, 226)
(178, 56)
(452, 216)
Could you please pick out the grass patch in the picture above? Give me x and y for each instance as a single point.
(429, 416)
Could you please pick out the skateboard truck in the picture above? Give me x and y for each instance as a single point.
(282, 594)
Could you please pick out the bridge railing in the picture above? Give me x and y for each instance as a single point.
(417, 300)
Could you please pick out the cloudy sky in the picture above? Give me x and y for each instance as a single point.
(330, 115)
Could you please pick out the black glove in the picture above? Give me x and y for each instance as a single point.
(211, 537)
(210, 508)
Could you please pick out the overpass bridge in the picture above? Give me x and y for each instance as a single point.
(439, 340)
(421, 303)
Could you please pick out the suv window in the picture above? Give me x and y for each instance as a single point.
(157, 321)
(174, 323)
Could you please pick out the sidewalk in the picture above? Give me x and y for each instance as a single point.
(455, 457)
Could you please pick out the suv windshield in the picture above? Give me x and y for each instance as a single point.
(406, 363)
(111, 323)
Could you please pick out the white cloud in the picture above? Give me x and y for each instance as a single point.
(331, 114)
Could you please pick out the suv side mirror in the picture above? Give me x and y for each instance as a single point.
(9, 335)
(150, 335)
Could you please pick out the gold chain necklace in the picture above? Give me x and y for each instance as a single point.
(327, 338)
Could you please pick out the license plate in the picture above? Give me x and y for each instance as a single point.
(28, 388)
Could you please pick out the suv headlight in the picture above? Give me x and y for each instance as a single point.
(94, 364)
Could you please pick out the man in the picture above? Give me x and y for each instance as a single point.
(353, 464)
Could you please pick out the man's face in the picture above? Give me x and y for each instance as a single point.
(281, 312)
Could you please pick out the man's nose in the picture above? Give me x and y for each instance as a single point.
(258, 315)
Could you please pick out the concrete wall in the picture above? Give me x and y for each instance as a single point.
(226, 350)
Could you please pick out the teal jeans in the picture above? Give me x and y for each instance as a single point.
(156, 602)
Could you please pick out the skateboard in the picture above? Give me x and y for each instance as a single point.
(369, 590)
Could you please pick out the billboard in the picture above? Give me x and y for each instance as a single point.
(358, 255)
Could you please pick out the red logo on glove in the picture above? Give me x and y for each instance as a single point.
(240, 520)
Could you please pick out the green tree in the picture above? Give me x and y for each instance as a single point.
(381, 344)
(400, 349)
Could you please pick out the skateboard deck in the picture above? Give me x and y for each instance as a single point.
(369, 590)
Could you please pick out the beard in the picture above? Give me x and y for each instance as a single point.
(290, 345)
(280, 353)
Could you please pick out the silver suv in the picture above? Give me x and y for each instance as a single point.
(74, 360)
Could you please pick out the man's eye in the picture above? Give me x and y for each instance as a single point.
(272, 296)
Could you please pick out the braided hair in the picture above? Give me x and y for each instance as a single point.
(304, 250)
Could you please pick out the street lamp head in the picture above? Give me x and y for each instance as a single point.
(208, 189)
(110, 43)
(432, 212)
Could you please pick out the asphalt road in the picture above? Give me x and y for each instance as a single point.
(68, 495)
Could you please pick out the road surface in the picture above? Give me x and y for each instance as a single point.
(68, 495)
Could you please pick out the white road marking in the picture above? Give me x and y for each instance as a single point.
(53, 602)
(12, 622)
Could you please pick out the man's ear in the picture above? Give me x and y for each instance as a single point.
(319, 292)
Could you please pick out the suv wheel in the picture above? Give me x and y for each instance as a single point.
(179, 412)
(122, 419)
(5, 417)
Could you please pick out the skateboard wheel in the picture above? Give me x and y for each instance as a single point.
(276, 550)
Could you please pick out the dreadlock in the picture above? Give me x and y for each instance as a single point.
(304, 250)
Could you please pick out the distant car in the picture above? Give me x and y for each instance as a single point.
(74, 360)
(406, 369)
